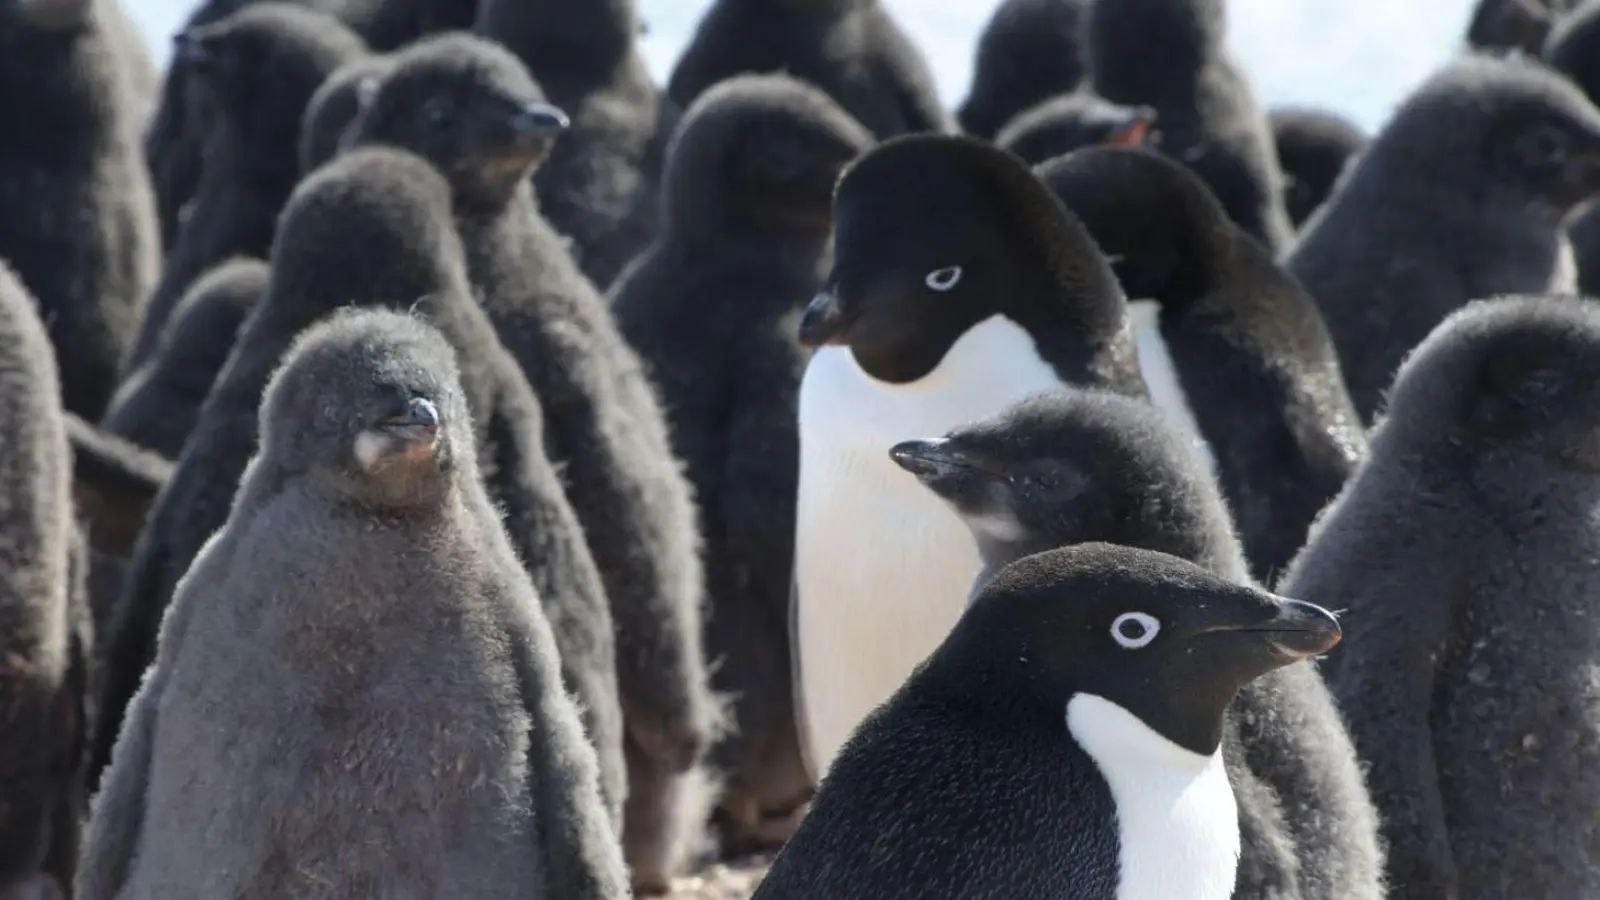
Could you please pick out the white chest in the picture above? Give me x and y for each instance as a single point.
(1161, 375)
(882, 566)
(1177, 822)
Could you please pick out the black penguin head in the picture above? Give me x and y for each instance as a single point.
(1509, 379)
(1027, 53)
(468, 106)
(1071, 467)
(1167, 234)
(1313, 146)
(369, 404)
(371, 228)
(1512, 24)
(936, 233)
(759, 153)
(1164, 639)
(1066, 123)
(1508, 131)
(256, 69)
(335, 105)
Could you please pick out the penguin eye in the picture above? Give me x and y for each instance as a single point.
(1135, 629)
(942, 280)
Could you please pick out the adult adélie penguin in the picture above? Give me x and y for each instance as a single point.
(960, 285)
(1064, 741)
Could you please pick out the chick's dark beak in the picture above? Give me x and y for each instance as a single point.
(1135, 131)
(419, 423)
(823, 321)
(927, 459)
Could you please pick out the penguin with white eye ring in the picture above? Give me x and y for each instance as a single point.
(1064, 741)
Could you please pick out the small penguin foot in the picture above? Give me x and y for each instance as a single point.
(38, 886)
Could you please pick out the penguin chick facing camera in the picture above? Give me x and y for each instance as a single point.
(469, 107)
(1063, 741)
(266, 752)
(1462, 195)
(1073, 467)
(942, 306)
(1466, 551)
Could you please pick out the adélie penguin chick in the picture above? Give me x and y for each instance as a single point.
(1028, 53)
(46, 638)
(158, 402)
(852, 49)
(1467, 553)
(1509, 149)
(356, 692)
(960, 285)
(1063, 741)
(78, 225)
(1171, 55)
(599, 185)
(373, 228)
(256, 70)
(1314, 148)
(711, 307)
(1075, 467)
(469, 107)
(1254, 365)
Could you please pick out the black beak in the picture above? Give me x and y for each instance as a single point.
(1299, 629)
(539, 120)
(420, 421)
(929, 459)
(1135, 131)
(823, 321)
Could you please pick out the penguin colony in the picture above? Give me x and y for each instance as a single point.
(439, 461)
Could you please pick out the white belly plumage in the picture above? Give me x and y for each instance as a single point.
(1177, 821)
(1161, 375)
(882, 565)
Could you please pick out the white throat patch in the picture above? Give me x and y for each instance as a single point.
(1177, 822)
(883, 566)
(1161, 375)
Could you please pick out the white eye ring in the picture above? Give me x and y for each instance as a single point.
(1149, 627)
(944, 279)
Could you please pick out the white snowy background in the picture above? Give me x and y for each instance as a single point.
(1358, 57)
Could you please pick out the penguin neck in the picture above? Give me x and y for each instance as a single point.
(984, 359)
(1177, 821)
